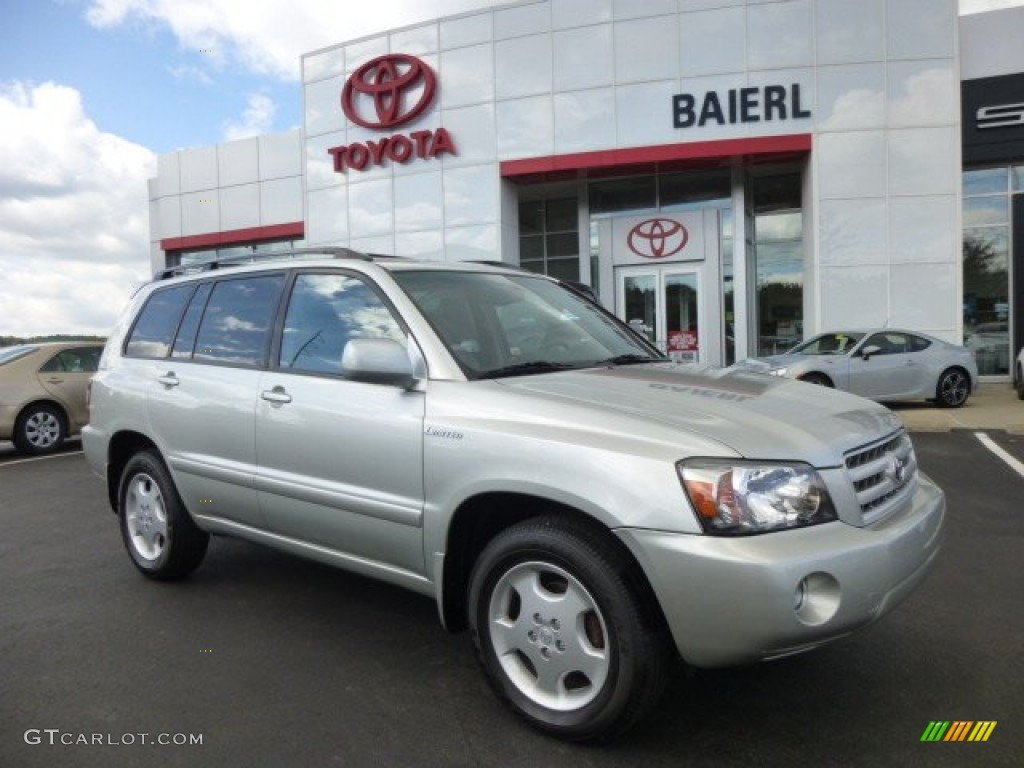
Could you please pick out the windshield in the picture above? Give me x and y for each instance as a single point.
(508, 325)
(10, 354)
(828, 344)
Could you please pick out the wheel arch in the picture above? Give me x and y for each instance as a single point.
(122, 447)
(811, 376)
(482, 517)
(961, 369)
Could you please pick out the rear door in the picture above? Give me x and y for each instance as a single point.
(340, 462)
(202, 396)
(66, 376)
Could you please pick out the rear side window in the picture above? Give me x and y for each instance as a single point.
(155, 327)
(918, 344)
(79, 360)
(236, 325)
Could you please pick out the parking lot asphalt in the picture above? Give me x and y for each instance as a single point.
(274, 661)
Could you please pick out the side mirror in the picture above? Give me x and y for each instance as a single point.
(870, 350)
(377, 361)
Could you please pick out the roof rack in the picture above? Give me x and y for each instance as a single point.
(336, 252)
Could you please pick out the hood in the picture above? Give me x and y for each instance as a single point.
(756, 416)
(769, 363)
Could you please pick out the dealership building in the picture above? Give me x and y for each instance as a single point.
(730, 176)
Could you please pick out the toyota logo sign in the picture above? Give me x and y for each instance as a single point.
(657, 238)
(384, 93)
(388, 91)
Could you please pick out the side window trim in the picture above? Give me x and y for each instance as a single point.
(199, 321)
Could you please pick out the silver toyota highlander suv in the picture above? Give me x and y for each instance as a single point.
(586, 508)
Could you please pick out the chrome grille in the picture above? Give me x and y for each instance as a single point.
(882, 474)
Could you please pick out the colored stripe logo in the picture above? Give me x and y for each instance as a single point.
(959, 730)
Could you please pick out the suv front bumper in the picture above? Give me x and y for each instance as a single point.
(737, 600)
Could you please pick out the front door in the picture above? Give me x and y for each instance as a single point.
(664, 304)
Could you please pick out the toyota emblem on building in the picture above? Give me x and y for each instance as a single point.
(657, 238)
(388, 91)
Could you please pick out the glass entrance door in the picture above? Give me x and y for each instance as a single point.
(663, 304)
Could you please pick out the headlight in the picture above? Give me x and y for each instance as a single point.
(735, 498)
(778, 371)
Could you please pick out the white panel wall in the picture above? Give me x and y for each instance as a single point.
(990, 44)
(254, 182)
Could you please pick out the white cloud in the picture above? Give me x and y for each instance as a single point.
(269, 36)
(257, 119)
(74, 230)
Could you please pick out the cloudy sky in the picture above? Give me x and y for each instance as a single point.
(91, 91)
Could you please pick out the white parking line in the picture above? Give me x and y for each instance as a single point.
(39, 458)
(989, 443)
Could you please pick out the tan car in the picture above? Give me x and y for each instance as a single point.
(42, 392)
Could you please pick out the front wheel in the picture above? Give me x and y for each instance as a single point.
(953, 388)
(565, 631)
(1020, 384)
(162, 539)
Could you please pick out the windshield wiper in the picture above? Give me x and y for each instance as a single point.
(524, 369)
(631, 359)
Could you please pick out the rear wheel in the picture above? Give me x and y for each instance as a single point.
(162, 539)
(564, 630)
(40, 429)
(953, 388)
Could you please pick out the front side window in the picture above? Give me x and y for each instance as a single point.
(325, 312)
(239, 316)
(829, 344)
(155, 327)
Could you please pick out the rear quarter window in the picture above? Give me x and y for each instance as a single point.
(157, 322)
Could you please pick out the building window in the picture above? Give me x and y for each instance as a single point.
(240, 251)
(549, 240)
(986, 250)
(779, 256)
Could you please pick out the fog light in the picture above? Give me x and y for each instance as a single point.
(816, 598)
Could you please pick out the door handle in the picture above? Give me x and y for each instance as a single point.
(55, 380)
(168, 379)
(277, 396)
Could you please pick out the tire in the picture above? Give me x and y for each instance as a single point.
(40, 429)
(818, 378)
(953, 388)
(565, 630)
(164, 542)
(1020, 384)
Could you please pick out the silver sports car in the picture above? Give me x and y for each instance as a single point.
(883, 364)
